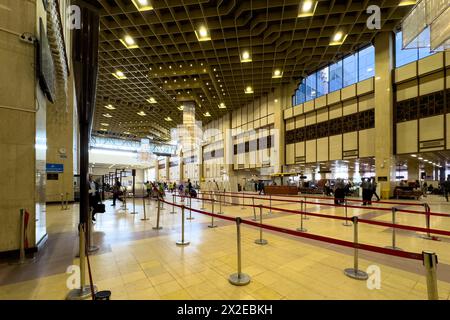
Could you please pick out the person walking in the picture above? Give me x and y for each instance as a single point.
(94, 196)
(446, 187)
(366, 191)
(116, 191)
(374, 190)
(339, 192)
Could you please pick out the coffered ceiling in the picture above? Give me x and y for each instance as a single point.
(163, 55)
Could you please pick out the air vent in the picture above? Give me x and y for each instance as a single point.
(300, 159)
(432, 144)
(350, 153)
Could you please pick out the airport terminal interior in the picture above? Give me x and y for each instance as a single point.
(224, 150)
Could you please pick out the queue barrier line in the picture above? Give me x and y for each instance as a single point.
(345, 243)
(437, 214)
(332, 198)
(373, 222)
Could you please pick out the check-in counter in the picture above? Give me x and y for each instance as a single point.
(281, 190)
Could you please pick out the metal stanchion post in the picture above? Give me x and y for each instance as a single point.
(254, 210)
(239, 278)
(428, 236)
(203, 202)
(67, 201)
(145, 211)
(91, 246)
(158, 213)
(346, 223)
(62, 201)
(305, 217)
(270, 204)
(212, 225)
(243, 200)
(84, 291)
(260, 241)
(394, 247)
(190, 211)
(430, 261)
(182, 242)
(220, 204)
(134, 205)
(301, 228)
(354, 272)
(173, 205)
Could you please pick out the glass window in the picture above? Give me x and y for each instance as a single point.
(336, 76)
(311, 87)
(322, 82)
(350, 71)
(403, 56)
(302, 91)
(366, 63)
(424, 39)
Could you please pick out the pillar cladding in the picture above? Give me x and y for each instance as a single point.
(384, 160)
(413, 170)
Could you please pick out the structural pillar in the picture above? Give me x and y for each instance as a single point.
(384, 160)
(413, 170)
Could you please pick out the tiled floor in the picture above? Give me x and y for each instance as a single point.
(137, 262)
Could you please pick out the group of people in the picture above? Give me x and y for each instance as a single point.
(157, 189)
(341, 189)
(369, 189)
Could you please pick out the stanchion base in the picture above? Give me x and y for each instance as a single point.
(190, 218)
(182, 243)
(255, 219)
(243, 208)
(172, 212)
(305, 218)
(394, 248)
(213, 226)
(219, 213)
(270, 212)
(239, 279)
(146, 219)
(93, 249)
(356, 274)
(134, 212)
(302, 229)
(202, 208)
(347, 224)
(427, 237)
(80, 294)
(157, 228)
(261, 241)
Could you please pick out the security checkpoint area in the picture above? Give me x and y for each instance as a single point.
(225, 158)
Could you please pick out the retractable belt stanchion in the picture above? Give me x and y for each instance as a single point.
(62, 201)
(430, 261)
(67, 201)
(346, 223)
(393, 246)
(260, 241)
(133, 172)
(301, 228)
(84, 291)
(124, 198)
(270, 204)
(243, 200)
(90, 233)
(239, 278)
(428, 236)
(173, 204)
(203, 201)
(182, 242)
(212, 225)
(158, 213)
(190, 211)
(254, 210)
(143, 205)
(220, 204)
(305, 217)
(354, 272)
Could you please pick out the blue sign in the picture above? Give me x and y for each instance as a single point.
(54, 168)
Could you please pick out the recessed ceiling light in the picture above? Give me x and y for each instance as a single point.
(420, 158)
(110, 107)
(143, 5)
(407, 3)
(276, 100)
(142, 113)
(307, 8)
(248, 90)
(277, 74)
(181, 108)
(245, 57)
(202, 33)
(338, 38)
(207, 114)
(107, 115)
(127, 132)
(105, 124)
(103, 129)
(413, 155)
(168, 119)
(151, 100)
(129, 42)
(222, 106)
(119, 75)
